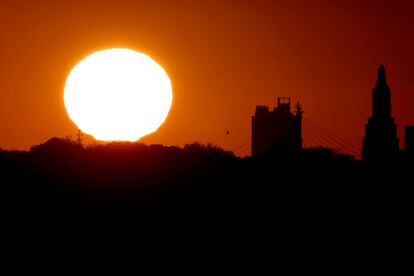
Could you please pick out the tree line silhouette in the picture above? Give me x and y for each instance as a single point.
(63, 175)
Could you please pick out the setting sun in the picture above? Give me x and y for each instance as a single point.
(118, 95)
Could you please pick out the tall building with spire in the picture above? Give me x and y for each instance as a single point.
(380, 141)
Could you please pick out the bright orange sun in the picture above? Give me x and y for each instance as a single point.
(118, 95)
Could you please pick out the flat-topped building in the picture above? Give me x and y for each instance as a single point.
(409, 139)
(276, 128)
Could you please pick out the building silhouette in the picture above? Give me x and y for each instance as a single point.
(409, 139)
(277, 128)
(380, 141)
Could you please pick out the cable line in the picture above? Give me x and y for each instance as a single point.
(332, 134)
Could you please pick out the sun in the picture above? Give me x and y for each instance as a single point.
(118, 95)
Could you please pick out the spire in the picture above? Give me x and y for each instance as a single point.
(299, 110)
(381, 75)
(381, 96)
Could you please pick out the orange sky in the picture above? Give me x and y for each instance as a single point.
(224, 58)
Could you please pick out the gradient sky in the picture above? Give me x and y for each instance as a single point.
(223, 57)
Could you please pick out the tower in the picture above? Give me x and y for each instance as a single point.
(380, 141)
(409, 139)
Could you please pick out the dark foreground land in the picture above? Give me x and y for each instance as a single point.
(294, 204)
(60, 175)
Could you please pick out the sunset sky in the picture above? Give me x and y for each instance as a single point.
(223, 57)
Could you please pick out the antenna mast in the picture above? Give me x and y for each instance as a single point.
(80, 137)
